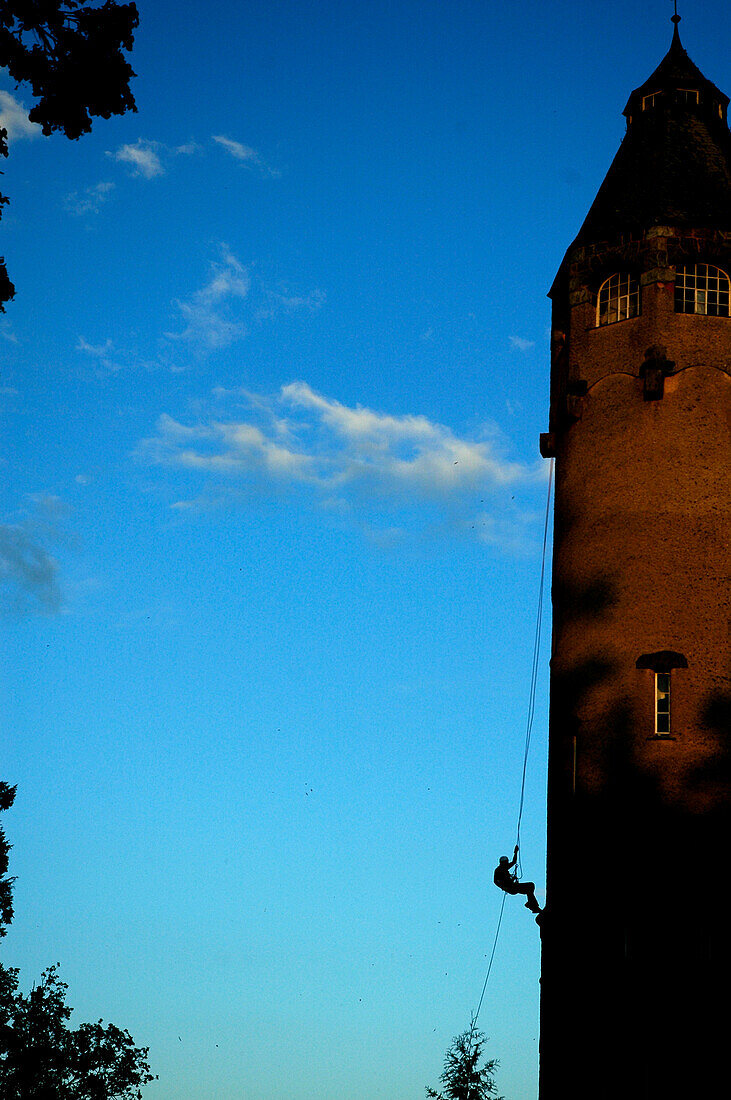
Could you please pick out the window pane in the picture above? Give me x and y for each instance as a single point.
(618, 299)
(662, 702)
(702, 289)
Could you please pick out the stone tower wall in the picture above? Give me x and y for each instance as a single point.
(635, 939)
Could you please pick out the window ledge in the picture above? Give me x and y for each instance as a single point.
(662, 737)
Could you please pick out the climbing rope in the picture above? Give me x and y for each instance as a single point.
(529, 726)
(489, 965)
(535, 666)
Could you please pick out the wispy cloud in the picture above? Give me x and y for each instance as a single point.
(188, 149)
(6, 332)
(90, 200)
(246, 156)
(149, 159)
(521, 344)
(283, 300)
(207, 320)
(207, 313)
(143, 158)
(14, 119)
(104, 354)
(351, 460)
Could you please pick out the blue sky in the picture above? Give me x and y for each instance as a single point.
(271, 522)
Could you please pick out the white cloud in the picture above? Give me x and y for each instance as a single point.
(188, 150)
(148, 159)
(352, 461)
(404, 450)
(206, 313)
(285, 301)
(208, 319)
(236, 149)
(97, 350)
(14, 119)
(90, 200)
(291, 302)
(521, 344)
(143, 158)
(7, 333)
(103, 353)
(245, 155)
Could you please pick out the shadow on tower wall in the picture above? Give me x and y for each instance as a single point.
(635, 942)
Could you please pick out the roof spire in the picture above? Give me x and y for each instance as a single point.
(676, 36)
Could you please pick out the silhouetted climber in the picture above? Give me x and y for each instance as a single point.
(508, 881)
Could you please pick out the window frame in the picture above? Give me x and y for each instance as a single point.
(621, 302)
(700, 285)
(662, 665)
(663, 708)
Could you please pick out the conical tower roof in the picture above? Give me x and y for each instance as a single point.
(673, 167)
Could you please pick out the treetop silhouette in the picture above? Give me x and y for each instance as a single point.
(70, 53)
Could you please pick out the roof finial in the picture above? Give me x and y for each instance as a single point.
(676, 44)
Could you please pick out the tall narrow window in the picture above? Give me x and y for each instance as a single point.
(662, 703)
(661, 664)
(701, 288)
(618, 299)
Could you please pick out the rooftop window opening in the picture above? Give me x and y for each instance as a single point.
(618, 299)
(702, 288)
(687, 95)
(649, 101)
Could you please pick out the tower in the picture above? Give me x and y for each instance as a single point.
(636, 937)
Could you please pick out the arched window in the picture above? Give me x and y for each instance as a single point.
(700, 288)
(619, 298)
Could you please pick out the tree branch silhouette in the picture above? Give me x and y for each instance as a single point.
(70, 53)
